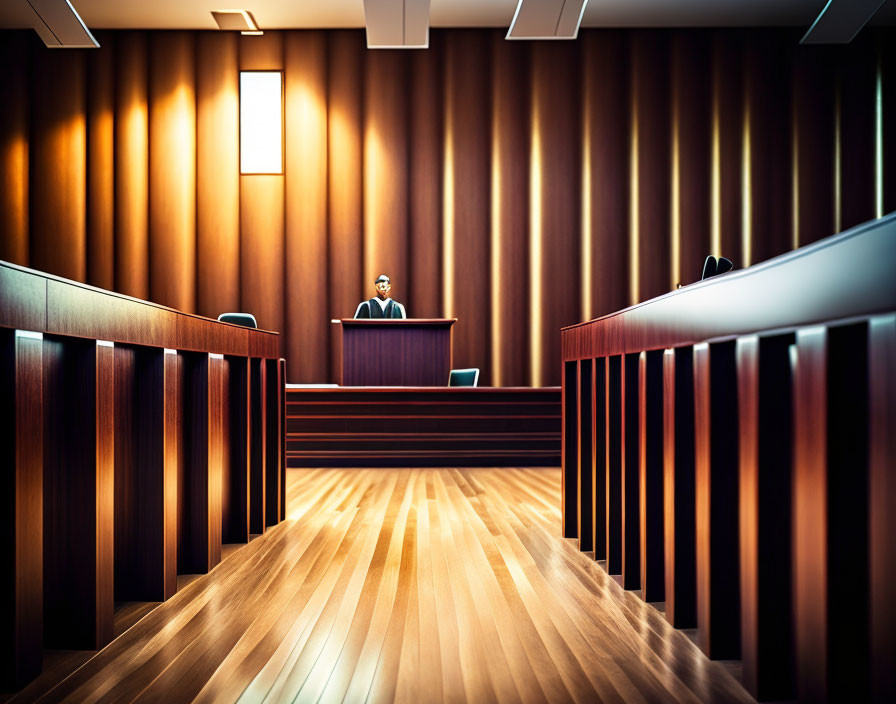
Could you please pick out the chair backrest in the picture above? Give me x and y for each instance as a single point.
(247, 320)
(464, 377)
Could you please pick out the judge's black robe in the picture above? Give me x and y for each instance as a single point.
(372, 309)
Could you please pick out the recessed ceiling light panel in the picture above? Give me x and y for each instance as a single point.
(60, 27)
(235, 20)
(397, 24)
(547, 19)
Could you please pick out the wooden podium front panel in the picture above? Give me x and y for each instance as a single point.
(407, 352)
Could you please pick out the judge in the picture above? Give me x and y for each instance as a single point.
(381, 306)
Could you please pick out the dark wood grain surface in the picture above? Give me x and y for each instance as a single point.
(22, 546)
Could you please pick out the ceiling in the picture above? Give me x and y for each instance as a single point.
(295, 14)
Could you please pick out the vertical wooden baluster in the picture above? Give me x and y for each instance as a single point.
(235, 480)
(599, 464)
(716, 454)
(78, 493)
(631, 523)
(21, 560)
(614, 465)
(882, 499)
(282, 396)
(678, 487)
(272, 441)
(568, 488)
(585, 434)
(147, 445)
(257, 444)
(650, 474)
(764, 413)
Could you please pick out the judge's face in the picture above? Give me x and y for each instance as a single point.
(383, 288)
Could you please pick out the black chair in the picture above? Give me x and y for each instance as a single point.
(247, 320)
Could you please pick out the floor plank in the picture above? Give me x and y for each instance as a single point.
(404, 585)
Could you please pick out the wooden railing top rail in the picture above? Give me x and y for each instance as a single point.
(852, 274)
(40, 302)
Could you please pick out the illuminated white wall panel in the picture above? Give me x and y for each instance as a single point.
(261, 122)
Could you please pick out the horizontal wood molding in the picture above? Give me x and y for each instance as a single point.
(424, 426)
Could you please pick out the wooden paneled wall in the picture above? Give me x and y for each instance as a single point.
(518, 186)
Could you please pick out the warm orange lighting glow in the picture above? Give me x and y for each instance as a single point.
(261, 122)
(535, 246)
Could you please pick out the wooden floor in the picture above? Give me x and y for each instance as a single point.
(413, 585)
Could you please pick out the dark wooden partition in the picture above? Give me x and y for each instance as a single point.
(768, 394)
(127, 459)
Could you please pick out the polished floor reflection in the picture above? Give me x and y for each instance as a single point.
(415, 585)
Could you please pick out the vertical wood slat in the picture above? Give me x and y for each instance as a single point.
(599, 451)
(569, 451)
(727, 135)
(510, 130)
(305, 79)
(831, 537)
(100, 244)
(281, 386)
(78, 493)
(217, 174)
(58, 166)
(690, 110)
(555, 208)
(767, 96)
(262, 210)
(813, 118)
(344, 185)
(200, 500)
(606, 119)
(15, 138)
(764, 414)
(650, 474)
(629, 471)
(273, 441)
(147, 445)
(385, 152)
(172, 170)
(881, 499)
(678, 488)
(257, 445)
(131, 165)
(715, 443)
(235, 479)
(650, 122)
(585, 463)
(465, 192)
(21, 619)
(614, 464)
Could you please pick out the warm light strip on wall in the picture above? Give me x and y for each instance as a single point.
(746, 191)
(633, 221)
(715, 236)
(448, 215)
(535, 244)
(879, 140)
(795, 178)
(675, 203)
(261, 122)
(586, 243)
(838, 184)
(496, 259)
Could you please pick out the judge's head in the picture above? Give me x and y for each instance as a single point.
(383, 287)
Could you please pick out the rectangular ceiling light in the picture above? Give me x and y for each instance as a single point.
(840, 21)
(60, 27)
(236, 20)
(547, 19)
(397, 24)
(261, 122)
